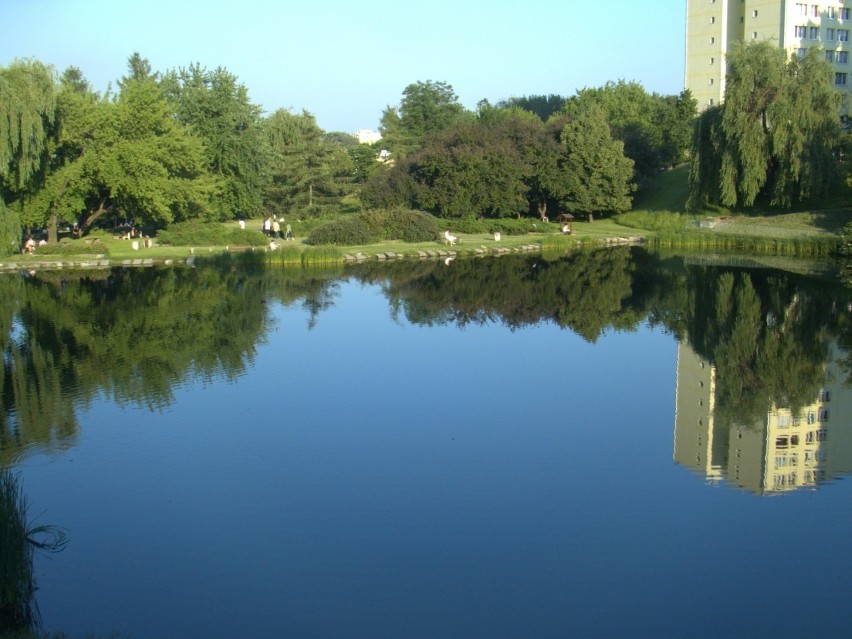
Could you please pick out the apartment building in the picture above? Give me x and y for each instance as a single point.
(781, 452)
(712, 26)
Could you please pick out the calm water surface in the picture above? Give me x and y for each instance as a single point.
(382, 455)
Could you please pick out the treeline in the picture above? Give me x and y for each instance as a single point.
(188, 144)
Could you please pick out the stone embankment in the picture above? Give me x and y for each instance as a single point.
(481, 251)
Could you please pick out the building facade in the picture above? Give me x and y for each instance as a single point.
(712, 26)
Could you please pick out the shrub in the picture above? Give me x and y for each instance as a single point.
(377, 225)
(345, 232)
(78, 247)
(506, 226)
(206, 234)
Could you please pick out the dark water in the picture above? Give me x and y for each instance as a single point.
(608, 444)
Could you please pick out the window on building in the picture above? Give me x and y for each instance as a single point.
(815, 10)
(712, 60)
(712, 19)
(842, 58)
(754, 13)
(843, 35)
(830, 12)
(845, 13)
(813, 33)
(754, 35)
(840, 79)
(801, 9)
(801, 52)
(712, 39)
(829, 56)
(801, 32)
(830, 35)
(710, 82)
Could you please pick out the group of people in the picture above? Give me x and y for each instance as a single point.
(30, 245)
(272, 228)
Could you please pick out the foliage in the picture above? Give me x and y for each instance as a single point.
(218, 110)
(596, 175)
(198, 233)
(19, 541)
(470, 170)
(426, 108)
(302, 162)
(79, 247)
(543, 106)
(773, 137)
(656, 130)
(376, 225)
(347, 231)
(27, 112)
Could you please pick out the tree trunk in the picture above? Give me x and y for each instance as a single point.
(86, 226)
(310, 195)
(591, 217)
(52, 235)
(542, 210)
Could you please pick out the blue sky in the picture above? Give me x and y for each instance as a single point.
(345, 62)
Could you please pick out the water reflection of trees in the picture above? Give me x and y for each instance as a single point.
(765, 331)
(135, 334)
(132, 335)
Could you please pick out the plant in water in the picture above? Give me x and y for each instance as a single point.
(18, 543)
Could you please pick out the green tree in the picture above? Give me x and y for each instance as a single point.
(773, 137)
(302, 162)
(595, 174)
(217, 109)
(655, 129)
(470, 171)
(543, 106)
(27, 111)
(426, 108)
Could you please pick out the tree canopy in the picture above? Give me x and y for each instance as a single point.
(773, 137)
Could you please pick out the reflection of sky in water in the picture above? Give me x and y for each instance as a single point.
(373, 478)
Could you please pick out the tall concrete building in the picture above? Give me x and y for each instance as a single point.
(712, 26)
(780, 452)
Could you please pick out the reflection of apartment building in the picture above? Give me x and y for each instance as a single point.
(783, 451)
(712, 26)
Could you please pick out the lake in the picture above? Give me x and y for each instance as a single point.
(611, 443)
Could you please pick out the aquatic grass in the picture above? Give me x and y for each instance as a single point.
(793, 246)
(18, 543)
(304, 256)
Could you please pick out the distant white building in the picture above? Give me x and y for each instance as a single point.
(367, 136)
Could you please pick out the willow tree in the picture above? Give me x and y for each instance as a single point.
(27, 106)
(774, 135)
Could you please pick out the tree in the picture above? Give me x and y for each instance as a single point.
(595, 174)
(470, 170)
(302, 161)
(775, 134)
(543, 106)
(656, 130)
(426, 108)
(218, 110)
(27, 110)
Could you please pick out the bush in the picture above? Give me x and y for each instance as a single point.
(506, 226)
(377, 225)
(345, 232)
(209, 234)
(402, 224)
(77, 247)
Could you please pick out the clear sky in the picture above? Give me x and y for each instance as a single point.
(346, 61)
